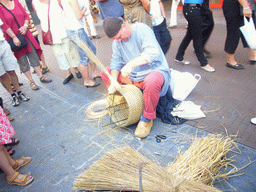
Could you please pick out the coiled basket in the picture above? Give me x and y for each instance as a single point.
(126, 105)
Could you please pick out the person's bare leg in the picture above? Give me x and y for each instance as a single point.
(43, 61)
(231, 59)
(6, 163)
(252, 53)
(86, 76)
(4, 79)
(38, 71)
(95, 72)
(76, 70)
(14, 79)
(68, 72)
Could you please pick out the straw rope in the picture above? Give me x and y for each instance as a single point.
(119, 170)
(101, 111)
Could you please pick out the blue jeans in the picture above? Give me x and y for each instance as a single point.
(163, 36)
(80, 34)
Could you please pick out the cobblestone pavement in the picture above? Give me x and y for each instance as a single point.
(63, 142)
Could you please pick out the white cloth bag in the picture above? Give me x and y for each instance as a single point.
(188, 110)
(249, 32)
(182, 83)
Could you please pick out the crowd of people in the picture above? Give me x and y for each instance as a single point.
(140, 41)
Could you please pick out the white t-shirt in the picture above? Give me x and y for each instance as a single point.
(1, 32)
(72, 23)
(155, 11)
(57, 25)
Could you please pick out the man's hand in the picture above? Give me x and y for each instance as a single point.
(126, 70)
(112, 88)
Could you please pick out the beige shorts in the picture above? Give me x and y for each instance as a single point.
(8, 61)
(66, 54)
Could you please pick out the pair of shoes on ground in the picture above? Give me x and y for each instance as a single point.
(16, 98)
(143, 129)
(26, 179)
(208, 69)
(71, 76)
(236, 66)
(14, 141)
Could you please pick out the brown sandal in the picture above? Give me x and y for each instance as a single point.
(20, 182)
(43, 79)
(17, 166)
(33, 86)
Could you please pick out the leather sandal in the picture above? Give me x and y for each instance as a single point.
(44, 79)
(45, 70)
(20, 182)
(17, 166)
(13, 142)
(33, 86)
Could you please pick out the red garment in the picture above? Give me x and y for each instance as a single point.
(151, 87)
(6, 129)
(9, 22)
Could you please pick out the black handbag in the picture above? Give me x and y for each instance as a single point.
(23, 41)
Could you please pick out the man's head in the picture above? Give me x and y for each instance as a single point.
(116, 28)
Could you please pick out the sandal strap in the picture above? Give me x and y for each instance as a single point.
(32, 83)
(13, 177)
(16, 166)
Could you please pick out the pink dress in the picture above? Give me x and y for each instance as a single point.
(9, 22)
(6, 129)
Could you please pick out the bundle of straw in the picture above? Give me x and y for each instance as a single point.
(125, 169)
(203, 160)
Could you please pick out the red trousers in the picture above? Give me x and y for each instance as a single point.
(151, 87)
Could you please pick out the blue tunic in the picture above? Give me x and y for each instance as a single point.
(142, 43)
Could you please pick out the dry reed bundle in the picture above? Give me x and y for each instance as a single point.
(125, 169)
(203, 160)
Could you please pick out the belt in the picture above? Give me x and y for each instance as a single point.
(193, 5)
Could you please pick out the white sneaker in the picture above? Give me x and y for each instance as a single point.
(208, 69)
(253, 120)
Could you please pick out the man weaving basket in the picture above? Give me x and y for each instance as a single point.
(137, 59)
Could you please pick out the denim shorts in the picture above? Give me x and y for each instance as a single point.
(80, 34)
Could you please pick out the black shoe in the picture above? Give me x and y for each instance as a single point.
(95, 85)
(236, 66)
(68, 79)
(253, 62)
(78, 75)
(23, 97)
(96, 37)
(15, 101)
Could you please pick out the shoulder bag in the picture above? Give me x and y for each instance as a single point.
(47, 36)
(23, 41)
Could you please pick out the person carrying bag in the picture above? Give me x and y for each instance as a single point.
(23, 41)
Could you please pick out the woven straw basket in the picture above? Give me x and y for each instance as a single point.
(126, 105)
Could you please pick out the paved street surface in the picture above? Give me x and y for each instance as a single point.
(63, 142)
